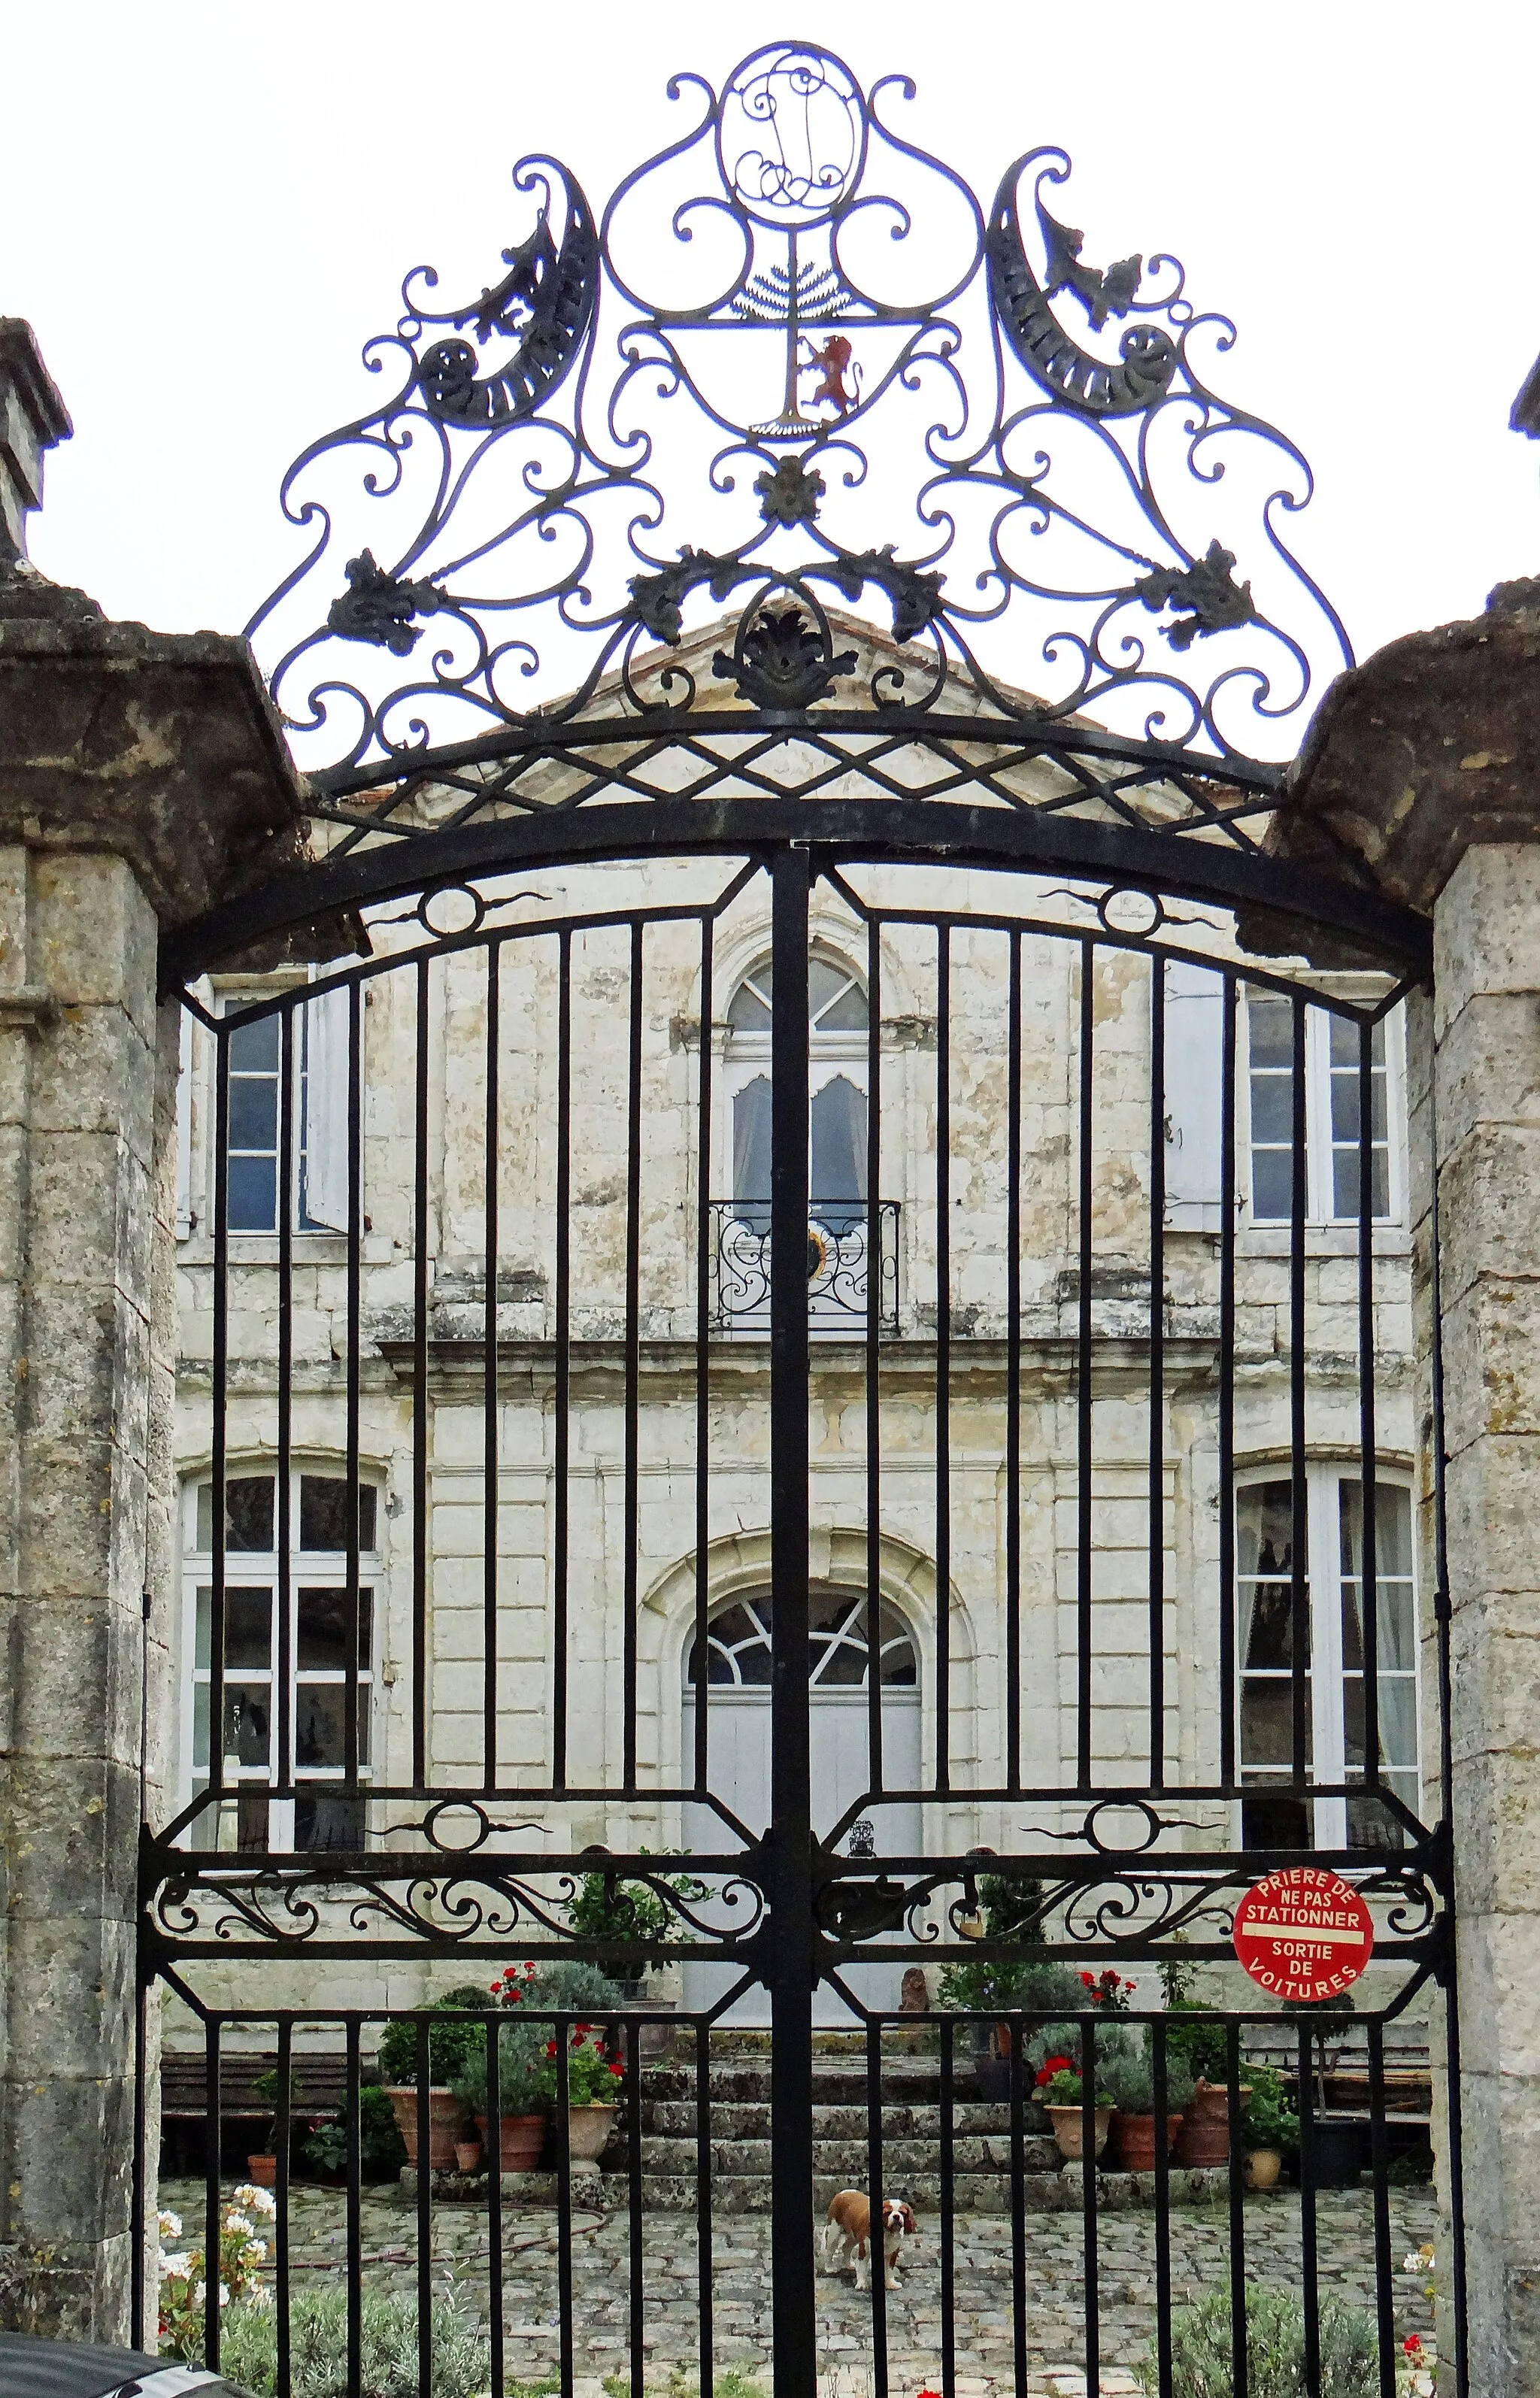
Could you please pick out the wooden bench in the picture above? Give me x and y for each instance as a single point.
(1408, 2075)
(318, 2083)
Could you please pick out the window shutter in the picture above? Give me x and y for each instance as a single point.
(1194, 1047)
(185, 1131)
(325, 1187)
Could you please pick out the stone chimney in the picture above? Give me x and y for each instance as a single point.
(32, 418)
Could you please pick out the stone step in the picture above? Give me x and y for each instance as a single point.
(745, 2120)
(1042, 2193)
(746, 2080)
(902, 2159)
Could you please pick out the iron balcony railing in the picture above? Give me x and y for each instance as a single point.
(839, 1266)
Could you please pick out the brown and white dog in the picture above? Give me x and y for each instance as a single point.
(848, 2233)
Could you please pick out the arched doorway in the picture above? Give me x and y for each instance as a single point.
(738, 1654)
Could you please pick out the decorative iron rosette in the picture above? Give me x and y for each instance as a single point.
(794, 353)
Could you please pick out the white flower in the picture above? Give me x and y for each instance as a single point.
(255, 2202)
(259, 2294)
(241, 2224)
(254, 2253)
(170, 2225)
(176, 2267)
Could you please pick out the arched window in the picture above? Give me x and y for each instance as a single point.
(837, 1080)
(738, 1645)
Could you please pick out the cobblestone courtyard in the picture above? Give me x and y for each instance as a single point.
(742, 2283)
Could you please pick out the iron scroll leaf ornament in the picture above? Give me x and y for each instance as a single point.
(791, 361)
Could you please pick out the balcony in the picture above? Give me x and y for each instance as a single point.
(838, 1267)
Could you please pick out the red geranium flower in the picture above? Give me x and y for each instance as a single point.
(1054, 2065)
(617, 2068)
(550, 2048)
(1411, 2346)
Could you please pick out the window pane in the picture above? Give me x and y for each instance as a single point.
(1267, 1721)
(1346, 1037)
(200, 1727)
(320, 1716)
(1344, 1107)
(248, 1722)
(253, 1112)
(322, 1636)
(249, 1512)
(1273, 1107)
(1399, 1722)
(324, 1512)
(1371, 1826)
(752, 1142)
(838, 1168)
(254, 1047)
(248, 1628)
(1275, 1820)
(1270, 1030)
(749, 1011)
(253, 1194)
(824, 978)
(1272, 1184)
(326, 1822)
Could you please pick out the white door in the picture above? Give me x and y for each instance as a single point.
(738, 1764)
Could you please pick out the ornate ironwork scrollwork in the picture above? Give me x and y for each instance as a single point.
(1044, 434)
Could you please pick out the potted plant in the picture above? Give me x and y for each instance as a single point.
(1269, 2128)
(637, 1916)
(1062, 2091)
(382, 2150)
(593, 2079)
(526, 2088)
(1130, 2076)
(452, 2037)
(1339, 2143)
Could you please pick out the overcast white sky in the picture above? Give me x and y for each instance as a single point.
(205, 209)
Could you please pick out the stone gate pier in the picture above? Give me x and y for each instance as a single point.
(142, 775)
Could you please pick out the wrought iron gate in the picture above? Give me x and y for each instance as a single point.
(540, 1338)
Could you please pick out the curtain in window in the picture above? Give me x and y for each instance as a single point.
(751, 1143)
(838, 1168)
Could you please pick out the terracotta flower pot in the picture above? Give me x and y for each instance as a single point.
(588, 2130)
(263, 2171)
(467, 2155)
(1069, 2130)
(1134, 2138)
(445, 2115)
(1263, 2168)
(524, 2137)
(1205, 2125)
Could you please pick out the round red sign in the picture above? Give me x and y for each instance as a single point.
(1304, 1934)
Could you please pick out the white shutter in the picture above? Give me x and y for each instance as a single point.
(185, 1131)
(325, 1022)
(1194, 1050)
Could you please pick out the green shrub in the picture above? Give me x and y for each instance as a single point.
(382, 2150)
(1201, 2348)
(1198, 2035)
(318, 2334)
(1266, 2119)
(450, 2043)
(1130, 2076)
(607, 1907)
(522, 2060)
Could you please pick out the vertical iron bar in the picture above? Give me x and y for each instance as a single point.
(1163, 2217)
(140, 2227)
(425, 2218)
(704, 2269)
(280, 2229)
(355, 2219)
(633, 1350)
(1369, 1564)
(1013, 1372)
(288, 1194)
(494, 2034)
(419, 1389)
(1308, 2257)
(564, 2217)
(873, 1360)
(491, 1460)
(1157, 1375)
(789, 1861)
(1017, 2206)
(1083, 1383)
(213, 2129)
(355, 1348)
(1385, 2306)
(1088, 2195)
(949, 2217)
(943, 1358)
(874, 2192)
(703, 1370)
(1230, 1665)
(633, 2183)
(1238, 2214)
(1298, 1195)
(562, 1429)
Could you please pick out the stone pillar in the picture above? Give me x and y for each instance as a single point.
(142, 778)
(1424, 764)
